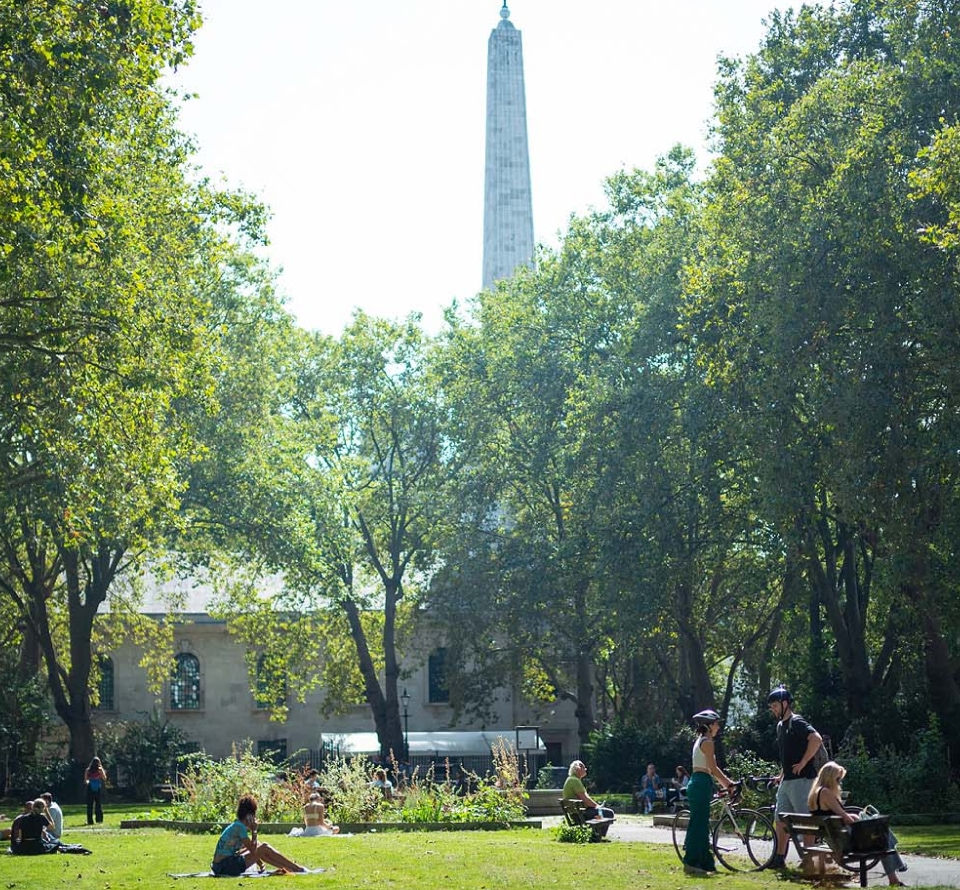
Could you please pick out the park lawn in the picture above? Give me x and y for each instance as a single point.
(482, 860)
(929, 840)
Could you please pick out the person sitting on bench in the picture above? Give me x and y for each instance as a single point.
(651, 787)
(825, 800)
(573, 789)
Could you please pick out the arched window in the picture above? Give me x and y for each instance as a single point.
(185, 683)
(106, 685)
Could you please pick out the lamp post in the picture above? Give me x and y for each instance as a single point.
(405, 699)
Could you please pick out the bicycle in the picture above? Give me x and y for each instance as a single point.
(741, 838)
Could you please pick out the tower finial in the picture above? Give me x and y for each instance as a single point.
(504, 12)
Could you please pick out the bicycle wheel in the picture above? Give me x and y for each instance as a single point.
(680, 821)
(761, 840)
(743, 840)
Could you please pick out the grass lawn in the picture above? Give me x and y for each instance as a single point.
(523, 858)
(929, 840)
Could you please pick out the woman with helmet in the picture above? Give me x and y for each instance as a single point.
(698, 857)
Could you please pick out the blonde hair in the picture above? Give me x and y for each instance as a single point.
(830, 776)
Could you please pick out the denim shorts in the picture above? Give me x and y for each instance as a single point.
(231, 867)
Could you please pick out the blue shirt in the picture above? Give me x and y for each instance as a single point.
(231, 841)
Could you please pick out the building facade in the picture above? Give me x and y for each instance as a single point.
(212, 698)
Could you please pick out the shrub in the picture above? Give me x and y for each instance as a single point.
(741, 764)
(144, 753)
(210, 789)
(618, 754)
(897, 782)
(574, 834)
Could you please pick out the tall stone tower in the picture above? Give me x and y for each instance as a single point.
(507, 201)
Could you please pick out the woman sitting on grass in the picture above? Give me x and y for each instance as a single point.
(314, 818)
(27, 835)
(238, 847)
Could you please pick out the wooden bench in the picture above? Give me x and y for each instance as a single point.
(826, 836)
(573, 814)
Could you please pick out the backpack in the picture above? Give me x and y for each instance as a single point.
(820, 757)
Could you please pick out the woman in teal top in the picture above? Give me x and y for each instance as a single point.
(238, 848)
(698, 857)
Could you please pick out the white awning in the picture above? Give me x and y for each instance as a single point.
(436, 744)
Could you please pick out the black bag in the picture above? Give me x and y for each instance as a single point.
(869, 835)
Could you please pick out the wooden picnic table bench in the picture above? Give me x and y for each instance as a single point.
(574, 815)
(829, 836)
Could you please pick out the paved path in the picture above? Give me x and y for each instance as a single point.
(923, 871)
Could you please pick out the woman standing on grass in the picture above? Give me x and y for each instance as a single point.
(698, 858)
(95, 778)
(238, 847)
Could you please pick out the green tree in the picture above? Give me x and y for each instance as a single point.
(818, 308)
(111, 272)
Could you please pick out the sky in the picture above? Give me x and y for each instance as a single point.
(361, 126)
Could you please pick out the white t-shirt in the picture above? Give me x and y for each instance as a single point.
(57, 815)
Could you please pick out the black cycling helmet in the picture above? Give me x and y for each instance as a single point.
(705, 718)
(781, 693)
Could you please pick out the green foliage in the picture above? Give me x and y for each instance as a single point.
(144, 752)
(573, 834)
(351, 796)
(209, 790)
(917, 781)
(741, 764)
(617, 755)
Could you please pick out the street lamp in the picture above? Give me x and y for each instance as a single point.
(405, 699)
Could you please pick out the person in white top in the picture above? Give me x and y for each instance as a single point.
(698, 858)
(56, 814)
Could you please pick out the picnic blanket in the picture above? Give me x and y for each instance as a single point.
(252, 873)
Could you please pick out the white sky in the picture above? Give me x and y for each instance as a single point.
(361, 125)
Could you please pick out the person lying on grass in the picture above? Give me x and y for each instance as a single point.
(238, 848)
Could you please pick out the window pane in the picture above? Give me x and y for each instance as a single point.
(185, 684)
(439, 693)
(106, 686)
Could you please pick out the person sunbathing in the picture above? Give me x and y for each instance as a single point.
(314, 819)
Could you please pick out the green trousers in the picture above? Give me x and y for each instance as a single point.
(698, 851)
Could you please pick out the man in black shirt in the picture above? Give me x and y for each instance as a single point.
(798, 742)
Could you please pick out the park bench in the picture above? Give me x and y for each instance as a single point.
(819, 836)
(574, 815)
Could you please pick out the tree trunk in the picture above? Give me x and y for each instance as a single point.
(389, 732)
(842, 586)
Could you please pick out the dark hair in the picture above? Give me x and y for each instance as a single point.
(246, 807)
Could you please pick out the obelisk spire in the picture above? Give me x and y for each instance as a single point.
(507, 201)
